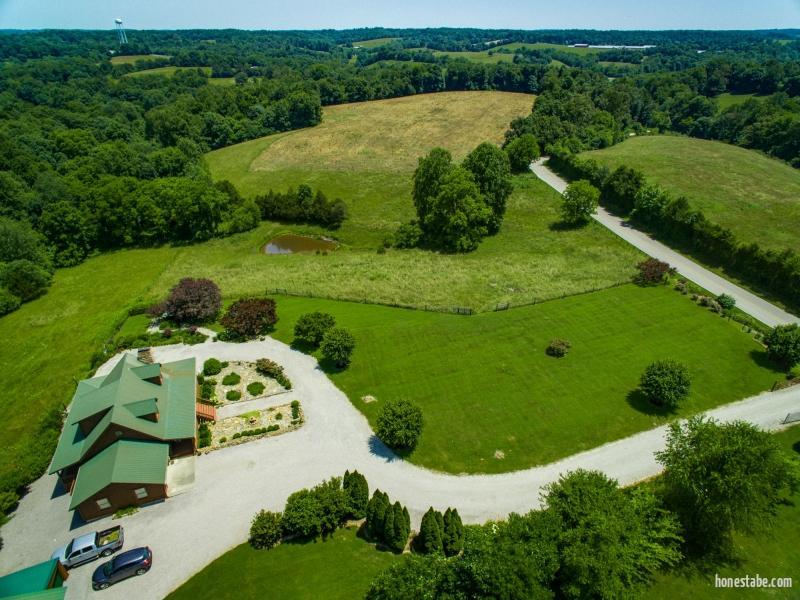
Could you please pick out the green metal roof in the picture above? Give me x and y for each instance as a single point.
(51, 594)
(124, 398)
(29, 582)
(125, 461)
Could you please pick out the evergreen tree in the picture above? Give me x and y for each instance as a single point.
(376, 511)
(453, 533)
(429, 540)
(387, 536)
(357, 491)
(401, 528)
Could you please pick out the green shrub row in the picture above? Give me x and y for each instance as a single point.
(673, 219)
(270, 368)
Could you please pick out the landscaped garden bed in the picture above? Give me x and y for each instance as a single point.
(254, 425)
(238, 381)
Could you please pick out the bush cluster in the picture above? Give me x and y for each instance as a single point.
(337, 346)
(440, 534)
(203, 435)
(783, 345)
(399, 424)
(312, 327)
(265, 530)
(191, 301)
(558, 348)
(249, 317)
(386, 522)
(212, 367)
(295, 410)
(666, 383)
(652, 271)
(255, 388)
(270, 368)
(302, 206)
(257, 431)
(231, 379)
(675, 220)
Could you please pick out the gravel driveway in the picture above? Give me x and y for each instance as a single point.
(190, 530)
(767, 313)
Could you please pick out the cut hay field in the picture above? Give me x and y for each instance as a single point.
(168, 71)
(756, 197)
(131, 59)
(514, 46)
(481, 57)
(374, 43)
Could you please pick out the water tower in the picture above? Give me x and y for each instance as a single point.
(123, 39)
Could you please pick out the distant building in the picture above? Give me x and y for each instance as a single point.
(44, 581)
(122, 430)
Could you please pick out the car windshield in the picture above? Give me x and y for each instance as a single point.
(68, 551)
(108, 568)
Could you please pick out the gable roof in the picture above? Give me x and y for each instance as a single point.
(125, 461)
(32, 582)
(124, 397)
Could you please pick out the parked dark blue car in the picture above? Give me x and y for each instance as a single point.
(124, 565)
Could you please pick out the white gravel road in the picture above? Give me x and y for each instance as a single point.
(190, 530)
(767, 313)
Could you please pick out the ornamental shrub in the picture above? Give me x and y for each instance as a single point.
(337, 346)
(265, 530)
(255, 389)
(558, 348)
(207, 390)
(212, 367)
(193, 301)
(429, 539)
(357, 490)
(652, 271)
(312, 327)
(273, 370)
(295, 409)
(233, 395)
(783, 345)
(725, 301)
(666, 383)
(231, 379)
(249, 317)
(399, 424)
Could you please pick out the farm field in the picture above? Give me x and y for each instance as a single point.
(726, 100)
(374, 43)
(481, 57)
(756, 197)
(168, 71)
(774, 553)
(341, 567)
(129, 60)
(485, 384)
(545, 46)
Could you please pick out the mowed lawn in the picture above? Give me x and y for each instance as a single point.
(774, 553)
(756, 197)
(485, 384)
(341, 567)
(131, 59)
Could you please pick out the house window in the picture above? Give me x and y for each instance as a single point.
(140, 493)
(103, 503)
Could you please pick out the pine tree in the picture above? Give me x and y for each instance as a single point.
(407, 519)
(376, 510)
(387, 536)
(357, 490)
(453, 534)
(401, 528)
(429, 540)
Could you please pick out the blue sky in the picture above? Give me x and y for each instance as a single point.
(341, 14)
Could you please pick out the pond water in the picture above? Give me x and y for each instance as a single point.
(290, 243)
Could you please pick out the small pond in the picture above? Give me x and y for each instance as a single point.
(290, 243)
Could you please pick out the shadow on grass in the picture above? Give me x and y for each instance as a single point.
(330, 367)
(381, 450)
(565, 226)
(637, 400)
(762, 360)
(303, 346)
(796, 447)
(363, 535)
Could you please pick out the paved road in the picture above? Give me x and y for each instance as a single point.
(190, 530)
(756, 307)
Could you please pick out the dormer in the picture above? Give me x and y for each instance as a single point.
(144, 409)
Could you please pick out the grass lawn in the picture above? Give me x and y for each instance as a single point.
(756, 197)
(341, 567)
(726, 100)
(514, 46)
(488, 379)
(771, 554)
(129, 60)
